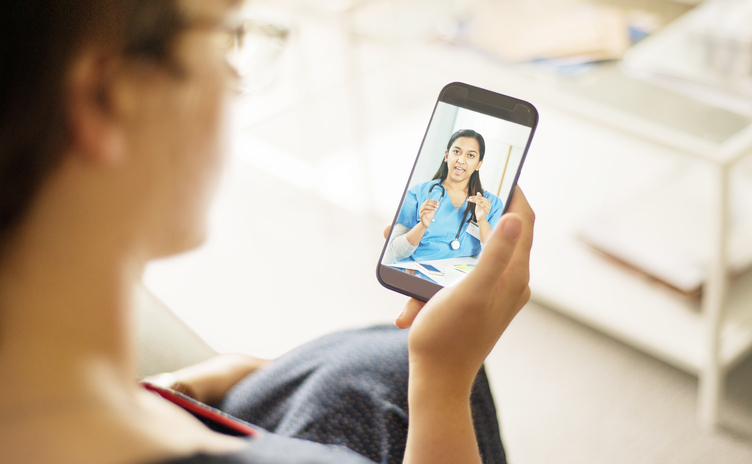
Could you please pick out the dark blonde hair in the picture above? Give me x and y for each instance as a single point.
(38, 41)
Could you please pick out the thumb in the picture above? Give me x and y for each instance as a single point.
(408, 315)
(498, 252)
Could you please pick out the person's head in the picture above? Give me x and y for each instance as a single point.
(462, 161)
(463, 156)
(110, 116)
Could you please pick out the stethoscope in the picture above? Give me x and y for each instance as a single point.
(455, 244)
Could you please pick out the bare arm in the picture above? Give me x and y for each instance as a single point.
(441, 426)
(416, 234)
(453, 333)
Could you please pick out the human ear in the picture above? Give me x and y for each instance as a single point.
(446, 156)
(480, 163)
(96, 134)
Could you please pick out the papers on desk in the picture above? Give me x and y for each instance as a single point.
(447, 266)
(665, 232)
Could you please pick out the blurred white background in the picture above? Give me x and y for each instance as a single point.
(323, 142)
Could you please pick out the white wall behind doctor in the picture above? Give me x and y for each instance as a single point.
(434, 145)
(499, 136)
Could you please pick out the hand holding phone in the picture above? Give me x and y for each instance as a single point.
(452, 334)
(494, 292)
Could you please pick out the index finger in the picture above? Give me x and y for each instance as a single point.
(409, 313)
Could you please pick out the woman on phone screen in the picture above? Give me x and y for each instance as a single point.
(450, 216)
(111, 115)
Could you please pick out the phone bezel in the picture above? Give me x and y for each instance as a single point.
(475, 99)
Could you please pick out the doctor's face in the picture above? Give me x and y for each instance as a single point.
(463, 158)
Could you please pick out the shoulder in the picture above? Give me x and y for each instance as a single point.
(424, 186)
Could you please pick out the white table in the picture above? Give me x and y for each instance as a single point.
(451, 275)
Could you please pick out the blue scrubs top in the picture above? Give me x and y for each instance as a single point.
(436, 241)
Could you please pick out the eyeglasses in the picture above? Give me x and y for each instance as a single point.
(252, 48)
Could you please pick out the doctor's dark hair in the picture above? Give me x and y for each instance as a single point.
(39, 39)
(473, 186)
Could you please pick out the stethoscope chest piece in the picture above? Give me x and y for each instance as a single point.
(455, 244)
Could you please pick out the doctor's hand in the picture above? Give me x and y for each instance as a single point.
(427, 211)
(452, 334)
(482, 206)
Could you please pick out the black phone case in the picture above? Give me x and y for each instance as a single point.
(475, 99)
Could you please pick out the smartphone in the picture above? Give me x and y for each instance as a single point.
(429, 269)
(461, 183)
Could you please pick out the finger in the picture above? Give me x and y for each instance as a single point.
(520, 205)
(387, 229)
(497, 253)
(408, 314)
(185, 388)
(521, 258)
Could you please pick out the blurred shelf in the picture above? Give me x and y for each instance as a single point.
(632, 308)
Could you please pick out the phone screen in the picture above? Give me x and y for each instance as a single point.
(461, 184)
